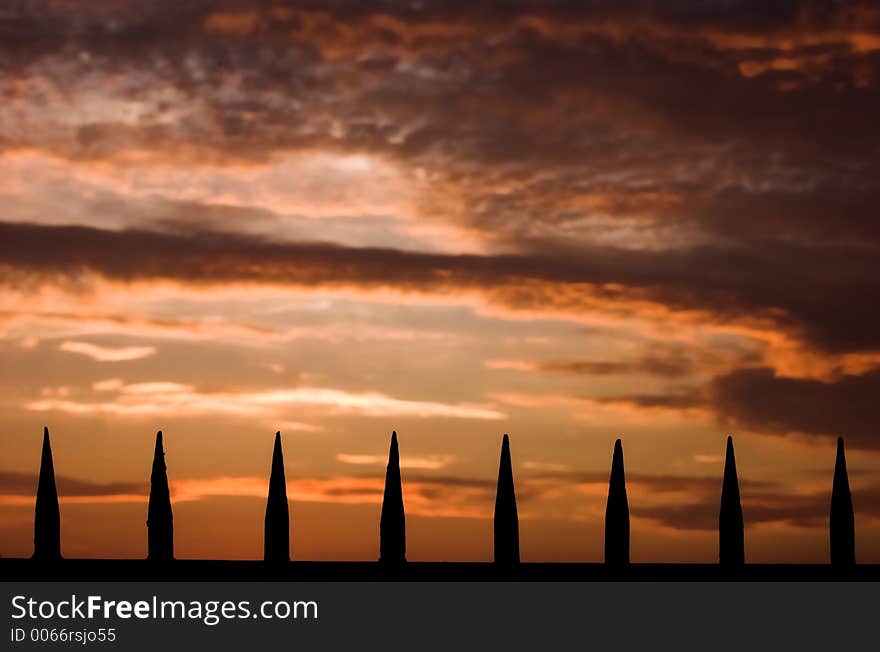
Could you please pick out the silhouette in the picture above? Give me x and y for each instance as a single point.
(47, 564)
(47, 516)
(392, 523)
(731, 544)
(617, 513)
(842, 526)
(506, 519)
(276, 542)
(160, 521)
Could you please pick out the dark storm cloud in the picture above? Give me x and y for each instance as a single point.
(559, 99)
(758, 399)
(702, 156)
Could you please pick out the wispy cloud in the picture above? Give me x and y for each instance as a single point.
(107, 353)
(19, 489)
(429, 462)
(424, 496)
(551, 467)
(179, 399)
(682, 503)
(668, 362)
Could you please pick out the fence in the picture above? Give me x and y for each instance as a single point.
(392, 525)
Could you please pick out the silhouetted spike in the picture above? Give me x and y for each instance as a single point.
(506, 518)
(47, 516)
(276, 542)
(160, 521)
(392, 524)
(617, 513)
(731, 542)
(842, 526)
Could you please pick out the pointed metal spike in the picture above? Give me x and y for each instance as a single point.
(617, 512)
(47, 515)
(506, 517)
(842, 521)
(731, 539)
(276, 535)
(392, 523)
(160, 520)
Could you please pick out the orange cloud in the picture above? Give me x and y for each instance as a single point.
(430, 462)
(425, 496)
(178, 399)
(233, 23)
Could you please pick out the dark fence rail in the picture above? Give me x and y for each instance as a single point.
(392, 536)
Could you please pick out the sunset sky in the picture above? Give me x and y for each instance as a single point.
(569, 221)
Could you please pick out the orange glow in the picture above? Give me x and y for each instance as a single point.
(570, 224)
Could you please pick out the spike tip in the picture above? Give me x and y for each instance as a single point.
(276, 541)
(617, 513)
(47, 516)
(506, 518)
(842, 522)
(160, 520)
(731, 542)
(392, 523)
